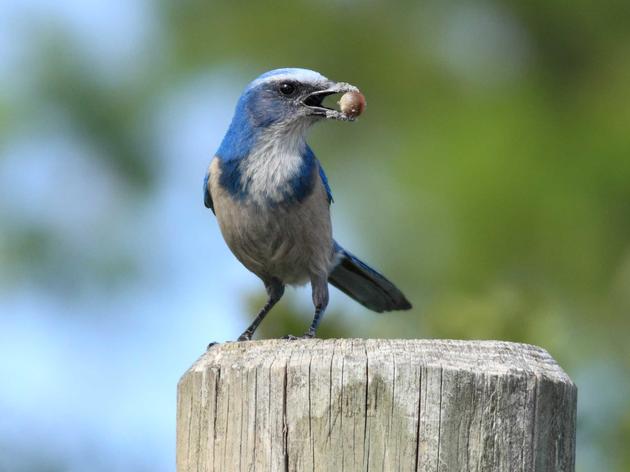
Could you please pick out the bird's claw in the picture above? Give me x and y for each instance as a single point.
(213, 343)
(290, 337)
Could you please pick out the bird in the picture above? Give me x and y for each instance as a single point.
(272, 199)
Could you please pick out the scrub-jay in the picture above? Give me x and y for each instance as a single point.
(271, 197)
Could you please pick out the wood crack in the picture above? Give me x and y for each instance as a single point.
(439, 432)
(390, 405)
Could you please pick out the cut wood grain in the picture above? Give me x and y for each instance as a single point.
(386, 405)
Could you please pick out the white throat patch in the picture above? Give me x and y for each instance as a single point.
(268, 170)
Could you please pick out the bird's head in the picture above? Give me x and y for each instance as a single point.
(280, 104)
(291, 97)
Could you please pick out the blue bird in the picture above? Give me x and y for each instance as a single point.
(271, 197)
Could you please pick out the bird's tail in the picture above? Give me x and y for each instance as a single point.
(359, 281)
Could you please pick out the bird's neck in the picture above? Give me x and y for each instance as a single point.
(279, 166)
(279, 147)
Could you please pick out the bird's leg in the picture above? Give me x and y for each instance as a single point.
(320, 300)
(275, 290)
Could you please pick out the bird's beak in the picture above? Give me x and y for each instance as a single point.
(313, 101)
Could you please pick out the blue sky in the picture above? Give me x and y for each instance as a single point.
(94, 376)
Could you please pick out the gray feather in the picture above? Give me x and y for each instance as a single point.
(367, 286)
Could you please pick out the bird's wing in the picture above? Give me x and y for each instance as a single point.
(207, 197)
(322, 175)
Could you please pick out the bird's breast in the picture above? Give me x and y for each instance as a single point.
(290, 240)
(275, 171)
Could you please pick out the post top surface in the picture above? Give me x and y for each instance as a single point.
(487, 357)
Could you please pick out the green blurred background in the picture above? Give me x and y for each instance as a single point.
(489, 178)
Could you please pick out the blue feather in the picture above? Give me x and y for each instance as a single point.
(236, 146)
(230, 178)
(240, 137)
(302, 182)
(257, 109)
(254, 112)
(300, 185)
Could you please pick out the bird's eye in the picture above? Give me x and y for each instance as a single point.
(287, 88)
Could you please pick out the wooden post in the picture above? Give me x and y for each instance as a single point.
(386, 405)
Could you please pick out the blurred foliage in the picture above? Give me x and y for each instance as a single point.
(490, 176)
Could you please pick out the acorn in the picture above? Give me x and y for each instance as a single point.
(352, 104)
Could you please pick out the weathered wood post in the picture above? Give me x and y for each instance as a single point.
(387, 405)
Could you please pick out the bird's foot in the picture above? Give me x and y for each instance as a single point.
(245, 337)
(290, 337)
(214, 343)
